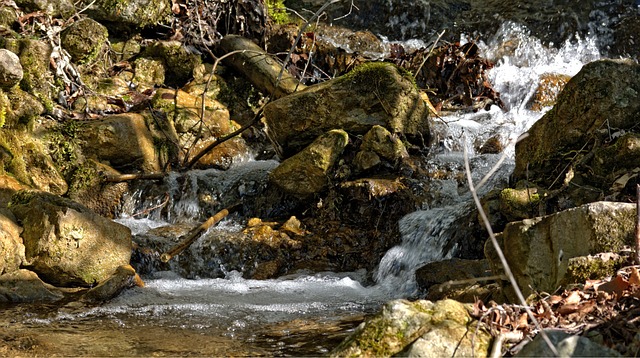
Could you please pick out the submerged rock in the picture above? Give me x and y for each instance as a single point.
(372, 94)
(418, 329)
(66, 243)
(538, 250)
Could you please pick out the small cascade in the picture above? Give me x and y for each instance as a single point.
(427, 235)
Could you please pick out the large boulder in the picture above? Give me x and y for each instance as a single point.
(305, 173)
(126, 14)
(372, 94)
(67, 244)
(595, 107)
(11, 247)
(122, 140)
(418, 329)
(539, 250)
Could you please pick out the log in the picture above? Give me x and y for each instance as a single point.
(259, 67)
(129, 177)
(192, 236)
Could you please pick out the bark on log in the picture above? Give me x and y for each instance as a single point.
(193, 235)
(259, 67)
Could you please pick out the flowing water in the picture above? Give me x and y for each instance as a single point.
(301, 314)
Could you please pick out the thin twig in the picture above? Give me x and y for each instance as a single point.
(503, 260)
(424, 60)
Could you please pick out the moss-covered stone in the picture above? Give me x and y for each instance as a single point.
(179, 62)
(84, 39)
(123, 15)
(593, 267)
(34, 56)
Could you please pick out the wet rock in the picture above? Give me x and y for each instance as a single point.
(439, 272)
(372, 94)
(385, 144)
(305, 173)
(566, 345)
(546, 94)
(84, 39)
(493, 145)
(10, 69)
(365, 160)
(179, 63)
(420, 329)
(124, 15)
(66, 243)
(122, 140)
(11, 247)
(602, 96)
(124, 277)
(538, 250)
(625, 41)
(26, 286)
(88, 188)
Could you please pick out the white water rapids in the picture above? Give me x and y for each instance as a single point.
(237, 307)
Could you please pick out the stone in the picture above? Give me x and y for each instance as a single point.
(125, 15)
(67, 244)
(11, 247)
(179, 63)
(89, 188)
(84, 39)
(35, 59)
(385, 144)
(10, 69)
(123, 140)
(372, 94)
(124, 277)
(438, 272)
(305, 173)
(25, 286)
(538, 250)
(566, 345)
(550, 85)
(602, 95)
(57, 8)
(417, 329)
(365, 160)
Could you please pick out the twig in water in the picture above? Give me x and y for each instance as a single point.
(494, 242)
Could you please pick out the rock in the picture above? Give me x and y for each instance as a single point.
(148, 73)
(35, 59)
(595, 267)
(183, 109)
(547, 92)
(124, 15)
(417, 329)
(57, 8)
(8, 186)
(11, 247)
(88, 188)
(84, 39)
(602, 95)
(29, 162)
(438, 272)
(26, 286)
(365, 160)
(567, 346)
(10, 69)
(538, 250)
(179, 63)
(372, 94)
(66, 243)
(380, 141)
(305, 173)
(123, 140)
(124, 277)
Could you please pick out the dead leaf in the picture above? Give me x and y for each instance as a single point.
(554, 299)
(617, 286)
(634, 277)
(523, 321)
(568, 309)
(573, 298)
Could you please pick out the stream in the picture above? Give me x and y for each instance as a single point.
(303, 314)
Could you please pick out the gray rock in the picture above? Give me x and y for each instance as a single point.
(372, 94)
(10, 69)
(538, 250)
(67, 244)
(305, 173)
(566, 345)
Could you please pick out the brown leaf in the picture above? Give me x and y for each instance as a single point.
(568, 309)
(573, 298)
(554, 299)
(617, 286)
(523, 321)
(634, 277)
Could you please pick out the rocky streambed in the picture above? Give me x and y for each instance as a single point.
(339, 178)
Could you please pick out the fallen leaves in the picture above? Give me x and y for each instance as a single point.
(608, 308)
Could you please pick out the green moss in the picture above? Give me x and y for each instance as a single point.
(278, 12)
(377, 74)
(581, 269)
(64, 148)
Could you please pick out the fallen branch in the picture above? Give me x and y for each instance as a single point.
(129, 177)
(193, 235)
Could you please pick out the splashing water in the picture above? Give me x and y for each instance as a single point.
(520, 62)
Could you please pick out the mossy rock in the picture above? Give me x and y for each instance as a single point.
(57, 8)
(84, 39)
(122, 16)
(88, 187)
(34, 56)
(179, 62)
